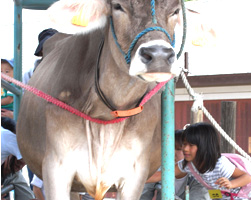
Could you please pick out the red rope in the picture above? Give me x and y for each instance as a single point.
(153, 91)
(73, 110)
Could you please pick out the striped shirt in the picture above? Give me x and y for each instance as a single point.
(223, 168)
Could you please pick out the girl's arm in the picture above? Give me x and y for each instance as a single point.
(38, 193)
(156, 177)
(178, 173)
(241, 178)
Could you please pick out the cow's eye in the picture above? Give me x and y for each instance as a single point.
(176, 12)
(118, 7)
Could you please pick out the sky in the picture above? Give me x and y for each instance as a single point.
(229, 19)
(229, 51)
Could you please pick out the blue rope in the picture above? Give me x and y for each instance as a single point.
(184, 29)
(153, 11)
(156, 28)
(127, 55)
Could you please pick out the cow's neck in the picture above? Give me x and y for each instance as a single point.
(121, 90)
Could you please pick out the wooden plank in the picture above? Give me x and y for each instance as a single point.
(243, 118)
(249, 144)
(217, 80)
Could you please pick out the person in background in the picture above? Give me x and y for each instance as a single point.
(38, 188)
(153, 184)
(7, 96)
(196, 190)
(201, 148)
(42, 37)
(12, 162)
(9, 144)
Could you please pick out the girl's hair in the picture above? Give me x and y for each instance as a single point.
(9, 124)
(178, 139)
(205, 137)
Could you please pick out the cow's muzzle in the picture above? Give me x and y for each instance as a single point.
(153, 61)
(155, 55)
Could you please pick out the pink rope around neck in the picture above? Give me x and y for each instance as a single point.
(73, 110)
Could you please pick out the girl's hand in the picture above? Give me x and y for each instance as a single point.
(224, 182)
(6, 113)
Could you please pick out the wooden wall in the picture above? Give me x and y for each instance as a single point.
(243, 118)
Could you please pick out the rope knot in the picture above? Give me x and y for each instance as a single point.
(198, 103)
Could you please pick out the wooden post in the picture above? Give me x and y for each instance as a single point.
(196, 110)
(228, 124)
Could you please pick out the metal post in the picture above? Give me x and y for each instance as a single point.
(17, 52)
(7, 189)
(18, 6)
(167, 144)
(37, 4)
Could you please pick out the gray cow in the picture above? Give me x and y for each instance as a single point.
(109, 68)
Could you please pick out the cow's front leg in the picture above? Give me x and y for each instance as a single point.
(61, 155)
(57, 177)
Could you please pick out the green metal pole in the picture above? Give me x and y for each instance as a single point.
(17, 52)
(167, 144)
(37, 4)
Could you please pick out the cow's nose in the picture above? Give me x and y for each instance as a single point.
(157, 52)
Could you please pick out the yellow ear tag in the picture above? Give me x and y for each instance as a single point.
(215, 194)
(80, 19)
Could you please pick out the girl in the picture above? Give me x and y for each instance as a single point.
(201, 148)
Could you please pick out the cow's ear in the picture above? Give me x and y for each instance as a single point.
(71, 16)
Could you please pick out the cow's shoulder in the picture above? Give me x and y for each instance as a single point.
(74, 44)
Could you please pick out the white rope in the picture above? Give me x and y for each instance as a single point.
(198, 103)
(198, 97)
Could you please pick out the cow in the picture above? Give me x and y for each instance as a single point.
(98, 73)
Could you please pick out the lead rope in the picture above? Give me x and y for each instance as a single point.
(69, 108)
(57, 102)
(184, 29)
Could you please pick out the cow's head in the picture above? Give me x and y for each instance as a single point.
(140, 30)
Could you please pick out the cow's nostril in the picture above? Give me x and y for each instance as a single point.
(171, 57)
(146, 56)
(156, 54)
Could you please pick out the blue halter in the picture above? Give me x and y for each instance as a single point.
(153, 11)
(127, 55)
